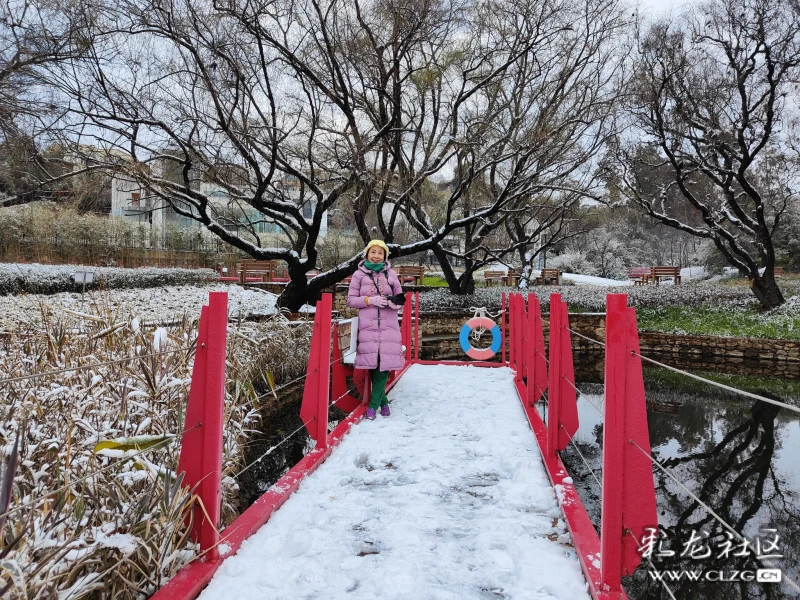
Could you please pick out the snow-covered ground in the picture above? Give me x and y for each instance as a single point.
(17, 278)
(152, 305)
(687, 274)
(592, 280)
(445, 499)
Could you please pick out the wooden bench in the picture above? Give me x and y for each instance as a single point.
(549, 277)
(279, 275)
(410, 274)
(223, 276)
(512, 278)
(640, 275)
(659, 273)
(491, 276)
(255, 271)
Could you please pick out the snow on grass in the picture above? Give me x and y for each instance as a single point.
(16, 278)
(156, 305)
(593, 298)
(699, 308)
(445, 503)
(121, 522)
(780, 323)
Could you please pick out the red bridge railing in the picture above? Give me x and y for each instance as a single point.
(201, 452)
(628, 495)
(628, 491)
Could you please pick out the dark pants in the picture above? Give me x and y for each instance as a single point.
(379, 378)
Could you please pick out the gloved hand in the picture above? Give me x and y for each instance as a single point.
(398, 299)
(378, 301)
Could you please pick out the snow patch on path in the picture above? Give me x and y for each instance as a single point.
(445, 499)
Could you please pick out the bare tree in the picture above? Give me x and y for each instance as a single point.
(515, 236)
(34, 35)
(296, 108)
(710, 93)
(525, 160)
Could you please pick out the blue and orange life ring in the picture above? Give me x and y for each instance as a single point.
(485, 353)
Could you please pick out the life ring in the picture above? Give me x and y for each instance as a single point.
(485, 353)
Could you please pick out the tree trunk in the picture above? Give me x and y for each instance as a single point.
(465, 285)
(295, 295)
(766, 290)
(298, 291)
(526, 278)
(301, 290)
(462, 285)
(447, 270)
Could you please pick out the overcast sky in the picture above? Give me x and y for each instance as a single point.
(663, 6)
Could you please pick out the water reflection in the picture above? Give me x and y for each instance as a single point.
(740, 458)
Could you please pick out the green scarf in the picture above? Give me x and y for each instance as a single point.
(377, 267)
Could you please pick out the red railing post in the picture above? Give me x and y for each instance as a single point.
(555, 382)
(201, 447)
(512, 321)
(416, 326)
(503, 331)
(522, 362)
(316, 394)
(562, 405)
(537, 365)
(516, 323)
(520, 324)
(628, 500)
(339, 391)
(405, 326)
(530, 349)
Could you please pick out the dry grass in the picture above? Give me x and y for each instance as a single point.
(119, 533)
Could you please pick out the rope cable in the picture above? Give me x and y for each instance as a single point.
(720, 385)
(710, 510)
(585, 462)
(652, 566)
(585, 396)
(580, 335)
(271, 449)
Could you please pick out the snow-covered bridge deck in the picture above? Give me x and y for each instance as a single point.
(447, 498)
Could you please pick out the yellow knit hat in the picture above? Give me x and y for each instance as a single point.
(380, 244)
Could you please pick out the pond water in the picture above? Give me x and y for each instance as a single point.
(741, 457)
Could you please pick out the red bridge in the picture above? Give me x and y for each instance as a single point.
(461, 493)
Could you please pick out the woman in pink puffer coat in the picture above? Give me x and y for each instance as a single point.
(380, 348)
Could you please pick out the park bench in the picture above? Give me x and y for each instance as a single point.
(410, 274)
(491, 276)
(549, 277)
(640, 275)
(283, 275)
(255, 271)
(512, 278)
(664, 272)
(223, 275)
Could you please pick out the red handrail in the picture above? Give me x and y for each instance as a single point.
(201, 448)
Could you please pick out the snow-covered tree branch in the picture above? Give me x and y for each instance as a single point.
(708, 101)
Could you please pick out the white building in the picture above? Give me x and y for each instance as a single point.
(130, 201)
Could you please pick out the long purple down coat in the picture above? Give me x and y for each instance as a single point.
(378, 328)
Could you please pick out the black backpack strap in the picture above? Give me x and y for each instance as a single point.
(375, 283)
